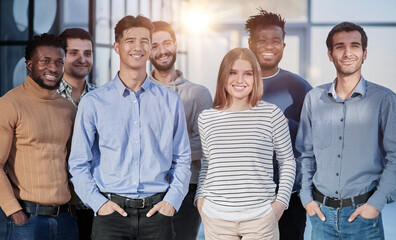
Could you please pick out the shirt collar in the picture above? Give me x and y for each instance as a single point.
(360, 89)
(147, 84)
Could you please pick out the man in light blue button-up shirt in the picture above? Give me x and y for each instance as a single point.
(347, 138)
(130, 158)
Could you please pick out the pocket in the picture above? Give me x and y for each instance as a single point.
(30, 216)
(321, 133)
(109, 215)
(165, 216)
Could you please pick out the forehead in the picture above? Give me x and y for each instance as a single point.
(242, 64)
(271, 31)
(77, 43)
(136, 32)
(347, 37)
(161, 36)
(49, 52)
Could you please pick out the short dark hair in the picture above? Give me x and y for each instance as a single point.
(166, 27)
(264, 19)
(346, 27)
(76, 33)
(128, 22)
(44, 39)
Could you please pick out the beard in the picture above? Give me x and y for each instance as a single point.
(164, 68)
(41, 82)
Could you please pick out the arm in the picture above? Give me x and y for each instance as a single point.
(81, 156)
(179, 173)
(199, 197)
(8, 122)
(284, 156)
(203, 101)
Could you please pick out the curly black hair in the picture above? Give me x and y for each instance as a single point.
(44, 39)
(264, 19)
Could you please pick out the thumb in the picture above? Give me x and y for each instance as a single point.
(119, 210)
(353, 215)
(320, 215)
(152, 211)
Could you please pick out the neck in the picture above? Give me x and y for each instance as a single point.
(237, 105)
(346, 84)
(165, 76)
(132, 79)
(269, 72)
(76, 83)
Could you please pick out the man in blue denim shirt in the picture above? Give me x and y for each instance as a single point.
(140, 175)
(347, 138)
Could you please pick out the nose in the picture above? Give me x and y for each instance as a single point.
(239, 78)
(347, 52)
(53, 66)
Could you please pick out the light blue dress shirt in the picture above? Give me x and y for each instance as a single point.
(348, 147)
(142, 141)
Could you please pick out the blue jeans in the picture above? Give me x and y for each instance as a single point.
(337, 226)
(187, 220)
(63, 227)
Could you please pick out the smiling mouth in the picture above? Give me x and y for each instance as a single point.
(267, 54)
(239, 88)
(137, 56)
(51, 77)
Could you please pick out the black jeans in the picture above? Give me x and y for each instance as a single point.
(187, 220)
(292, 222)
(136, 226)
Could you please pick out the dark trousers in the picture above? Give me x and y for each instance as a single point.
(187, 220)
(136, 226)
(3, 225)
(292, 222)
(84, 223)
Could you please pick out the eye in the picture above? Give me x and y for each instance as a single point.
(233, 72)
(73, 53)
(88, 54)
(249, 73)
(59, 63)
(153, 47)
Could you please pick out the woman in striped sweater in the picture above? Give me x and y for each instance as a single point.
(236, 194)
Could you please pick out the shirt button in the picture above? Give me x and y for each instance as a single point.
(336, 192)
(338, 155)
(136, 122)
(337, 174)
(134, 183)
(340, 137)
(136, 164)
(341, 119)
(134, 101)
(137, 142)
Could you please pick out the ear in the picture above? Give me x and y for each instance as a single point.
(250, 42)
(29, 65)
(365, 54)
(116, 46)
(330, 57)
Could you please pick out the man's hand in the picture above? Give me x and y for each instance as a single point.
(109, 207)
(278, 209)
(199, 203)
(313, 208)
(19, 217)
(162, 207)
(365, 211)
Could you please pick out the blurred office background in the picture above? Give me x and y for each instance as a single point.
(206, 31)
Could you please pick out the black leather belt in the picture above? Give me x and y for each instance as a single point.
(44, 210)
(339, 202)
(125, 202)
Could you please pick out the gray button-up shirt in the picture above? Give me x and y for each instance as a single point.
(348, 146)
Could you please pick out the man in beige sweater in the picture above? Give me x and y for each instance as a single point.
(36, 125)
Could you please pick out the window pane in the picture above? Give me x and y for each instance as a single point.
(102, 70)
(75, 12)
(14, 18)
(102, 30)
(353, 10)
(13, 73)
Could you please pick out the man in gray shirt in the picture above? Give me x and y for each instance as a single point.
(195, 98)
(347, 139)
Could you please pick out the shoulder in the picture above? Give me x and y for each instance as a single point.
(162, 91)
(295, 79)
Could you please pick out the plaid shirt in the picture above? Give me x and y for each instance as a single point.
(65, 89)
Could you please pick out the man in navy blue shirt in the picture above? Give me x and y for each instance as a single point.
(286, 90)
(347, 139)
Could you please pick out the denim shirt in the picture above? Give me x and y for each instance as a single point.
(348, 147)
(142, 141)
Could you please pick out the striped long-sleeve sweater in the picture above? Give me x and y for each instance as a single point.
(237, 169)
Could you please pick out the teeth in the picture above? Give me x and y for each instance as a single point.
(137, 56)
(239, 88)
(50, 77)
(267, 54)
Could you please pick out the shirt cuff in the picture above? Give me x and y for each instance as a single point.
(377, 200)
(173, 199)
(306, 197)
(97, 201)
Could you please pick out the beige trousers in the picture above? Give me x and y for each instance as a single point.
(265, 228)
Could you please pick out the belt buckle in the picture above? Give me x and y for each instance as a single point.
(57, 212)
(143, 203)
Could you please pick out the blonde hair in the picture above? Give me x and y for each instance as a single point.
(222, 97)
